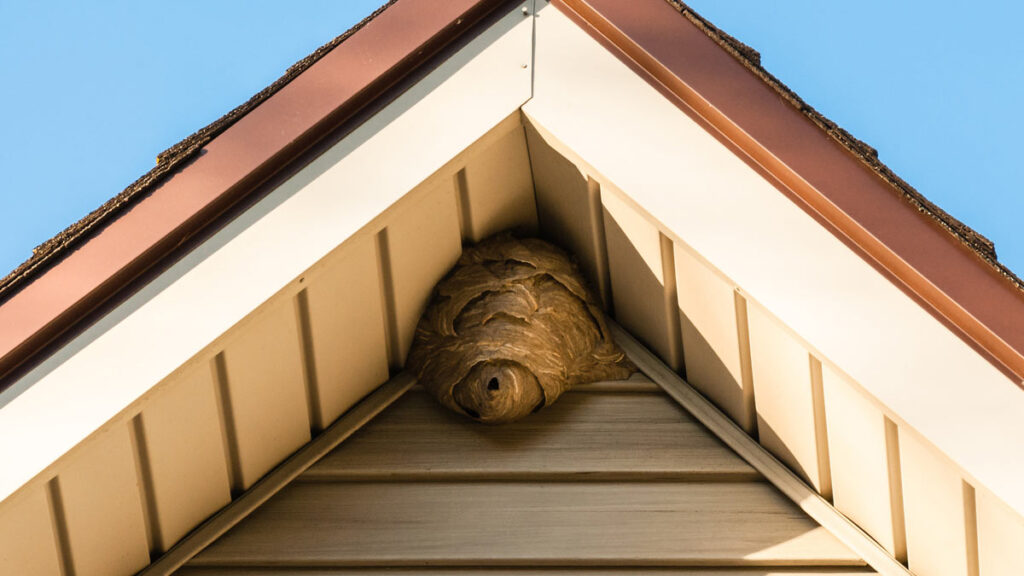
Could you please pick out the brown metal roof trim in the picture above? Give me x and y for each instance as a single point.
(166, 162)
(200, 180)
(751, 59)
(946, 267)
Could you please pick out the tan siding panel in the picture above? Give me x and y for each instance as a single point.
(346, 315)
(185, 453)
(617, 435)
(500, 189)
(563, 205)
(859, 461)
(27, 543)
(423, 243)
(104, 510)
(1000, 538)
(528, 572)
(711, 349)
(267, 392)
(635, 266)
(525, 523)
(782, 394)
(934, 508)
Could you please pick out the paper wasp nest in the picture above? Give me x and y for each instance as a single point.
(510, 329)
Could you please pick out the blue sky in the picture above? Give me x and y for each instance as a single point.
(90, 93)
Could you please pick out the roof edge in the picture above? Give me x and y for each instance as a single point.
(201, 179)
(166, 163)
(751, 59)
(942, 264)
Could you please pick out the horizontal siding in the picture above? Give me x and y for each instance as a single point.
(614, 474)
(528, 523)
(659, 571)
(28, 544)
(606, 435)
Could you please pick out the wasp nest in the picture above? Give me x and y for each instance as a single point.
(510, 329)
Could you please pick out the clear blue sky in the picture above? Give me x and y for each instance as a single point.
(90, 93)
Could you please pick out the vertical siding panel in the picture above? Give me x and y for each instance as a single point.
(347, 329)
(1000, 537)
(423, 243)
(103, 508)
(783, 395)
(934, 508)
(499, 188)
(563, 206)
(859, 461)
(186, 454)
(28, 544)
(264, 372)
(711, 347)
(636, 269)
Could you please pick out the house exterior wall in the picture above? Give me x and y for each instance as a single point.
(612, 474)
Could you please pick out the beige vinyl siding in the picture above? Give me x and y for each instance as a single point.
(101, 508)
(569, 210)
(639, 282)
(552, 571)
(1000, 538)
(264, 392)
(613, 436)
(496, 190)
(934, 503)
(614, 475)
(716, 357)
(860, 452)
(185, 454)
(345, 336)
(27, 542)
(783, 395)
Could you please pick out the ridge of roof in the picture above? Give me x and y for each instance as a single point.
(166, 162)
(751, 59)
